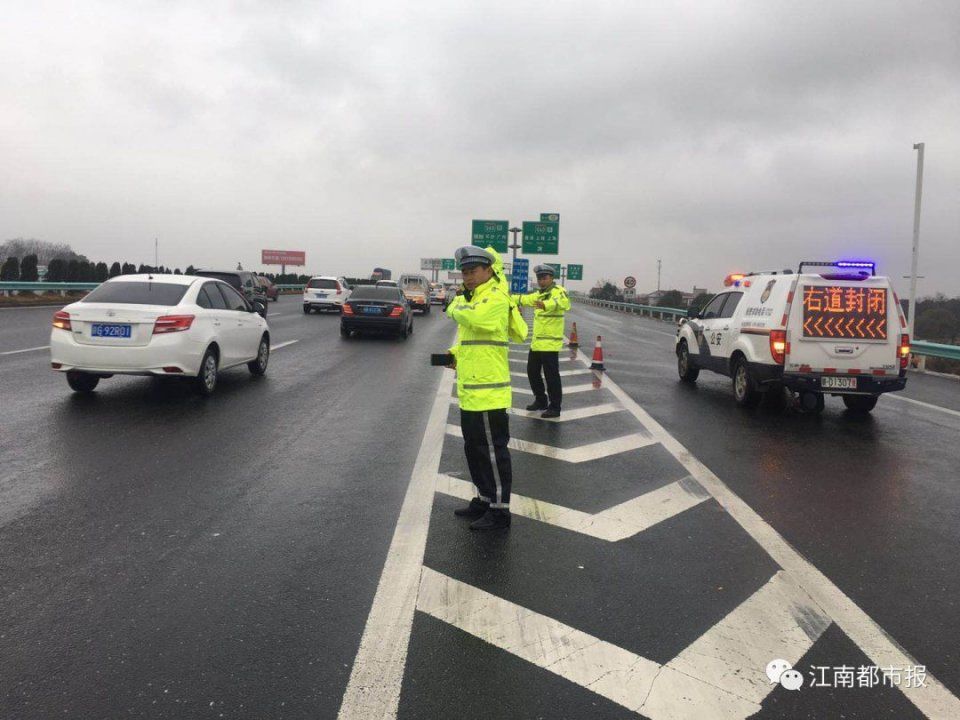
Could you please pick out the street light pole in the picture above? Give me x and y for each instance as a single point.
(515, 247)
(912, 311)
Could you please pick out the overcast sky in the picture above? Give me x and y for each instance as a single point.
(719, 136)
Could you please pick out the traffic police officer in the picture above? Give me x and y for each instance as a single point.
(550, 302)
(482, 312)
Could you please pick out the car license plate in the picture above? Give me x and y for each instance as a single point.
(838, 383)
(320, 295)
(371, 311)
(111, 331)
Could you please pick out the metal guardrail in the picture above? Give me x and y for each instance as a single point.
(937, 350)
(9, 285)
(664, 313)
(921, 348)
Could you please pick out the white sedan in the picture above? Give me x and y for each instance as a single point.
(160, 325)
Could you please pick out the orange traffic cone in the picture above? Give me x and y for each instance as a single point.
(597, 363)
(574, 340)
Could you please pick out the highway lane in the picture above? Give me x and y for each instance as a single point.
(162, 552)
(165, 555)
(874, 502)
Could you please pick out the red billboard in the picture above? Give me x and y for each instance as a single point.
(283, 257)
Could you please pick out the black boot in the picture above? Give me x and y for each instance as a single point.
(550, 413)
(538, 404)
(476, 509)
(492, 520)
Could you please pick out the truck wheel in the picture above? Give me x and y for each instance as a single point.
(82, 382)
(685, 369)
(860, 403)
(744, 392)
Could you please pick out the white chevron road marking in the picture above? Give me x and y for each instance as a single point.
(616, 523)
(933, 699)
(583, 453)
(566, 391)
(519, 356)
(563, 373)
(567, 415)
(721, 676)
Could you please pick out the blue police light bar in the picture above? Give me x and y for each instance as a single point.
(849, 264)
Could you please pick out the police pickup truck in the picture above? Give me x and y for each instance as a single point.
(837, 332)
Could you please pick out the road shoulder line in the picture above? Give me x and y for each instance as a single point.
(934, 700)
(373, 690)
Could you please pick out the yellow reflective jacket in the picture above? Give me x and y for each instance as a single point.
(548, 322)
(483, 367)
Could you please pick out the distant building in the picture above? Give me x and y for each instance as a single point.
(653, 298)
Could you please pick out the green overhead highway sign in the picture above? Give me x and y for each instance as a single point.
(574, 272)
(490, 232)
(540, 238)
(550, 217)
(449, 264)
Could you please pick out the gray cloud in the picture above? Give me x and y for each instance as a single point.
(719, 136)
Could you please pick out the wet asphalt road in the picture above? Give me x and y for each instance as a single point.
(873, 502)
(163, 555)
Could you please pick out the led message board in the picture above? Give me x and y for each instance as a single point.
(845, 313)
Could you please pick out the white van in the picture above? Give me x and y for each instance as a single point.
(838, 332)
(416, 288)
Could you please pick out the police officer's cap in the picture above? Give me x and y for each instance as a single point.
(545, 270)
(470, 255)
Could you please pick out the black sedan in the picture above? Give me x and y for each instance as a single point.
(376, 309)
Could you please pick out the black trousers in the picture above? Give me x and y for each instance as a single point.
(485, 438)
(549, 364)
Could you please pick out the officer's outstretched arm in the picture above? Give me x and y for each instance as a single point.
(487, 315)
(529, 299)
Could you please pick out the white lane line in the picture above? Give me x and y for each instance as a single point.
(584, 453)
(615, 673)
(613, 524)
(934, 700)
(567, 415)
(283, 344)
(373, 691)
(931, 406)
(563, 373)
(566, 391)
(25, 350)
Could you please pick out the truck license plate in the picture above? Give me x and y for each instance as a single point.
(838, 383)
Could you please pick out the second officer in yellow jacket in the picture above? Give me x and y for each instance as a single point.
(550, 303)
